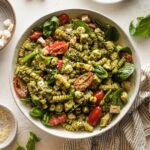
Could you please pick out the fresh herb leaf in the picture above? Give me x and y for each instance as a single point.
(36, 112)
(141, 28)
(20, 148)
(111, 33)
(33, 138)
(50, 25)
(46, 119)
(101, 72)
(124, 49)
(78, 23)
(125, 72)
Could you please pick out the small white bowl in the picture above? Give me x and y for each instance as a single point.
(7, 12)
(108, 1)
(13, 130)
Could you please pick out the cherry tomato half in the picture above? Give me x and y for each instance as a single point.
(59, 63)
(99, 96)
(58, 119)
(84, 81)
(94, 116)
(64, 18)
(35, 35)
(58, 48)
(20, 88)
(128, 57)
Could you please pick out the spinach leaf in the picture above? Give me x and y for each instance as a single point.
(124, 49)
(116, 100)
(125, 72)
(101, 72)
(78, 23)
(50, 25)
(111, 33)
(141, 28)
(33, 138)
(20, 148)
(36, 112)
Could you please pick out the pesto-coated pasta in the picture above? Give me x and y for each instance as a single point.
(74, 73)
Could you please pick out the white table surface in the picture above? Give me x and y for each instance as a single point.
(27, 11)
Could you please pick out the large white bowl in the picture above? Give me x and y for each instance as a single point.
(124, 39)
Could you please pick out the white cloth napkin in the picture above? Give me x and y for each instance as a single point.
(130, 133)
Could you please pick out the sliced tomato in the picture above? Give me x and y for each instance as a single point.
(59, 63)
(57, 119)
(35, 35)
(64, 18)
(83, 81)
(94, 116)
(58, 48)
(128, 57)
(20, 87)
(99, 96)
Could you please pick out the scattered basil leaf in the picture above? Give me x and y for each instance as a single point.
(124, 49)
(111, 33)
(50, 25)
(125, 72)
(78, 23)
(33, 138)
(20, 148)
(101, 72)
(141, 28)
(36, 112)
(45, 120)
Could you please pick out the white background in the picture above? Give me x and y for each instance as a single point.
(27, 11)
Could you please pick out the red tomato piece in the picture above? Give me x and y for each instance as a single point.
(20, 88)
(59, 63)
(99, 96)
(35, 35)
(94, 116)
(58, 48)
(128, 57)
(58, 119)
(84, 81)
(92, 25)
(64, 18)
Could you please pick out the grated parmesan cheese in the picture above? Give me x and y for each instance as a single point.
(5, 125)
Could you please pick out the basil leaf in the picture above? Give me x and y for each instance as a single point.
(50, 25)
(141, 28)
(116, 100)
(124, 49)
(20, 148)
(111, 33)
(125, 72)
(107, 96)
(78, 23)
(36, 112)
(101, 72)
(33, 138)
(46, 119)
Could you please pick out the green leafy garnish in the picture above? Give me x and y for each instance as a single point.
(125, 72)
(50, 25)
(111, 33)
(46, 119)
(20, 148)
(101, 72)
(124, 49)
(36, 112)
(78, 23)
(141, 28)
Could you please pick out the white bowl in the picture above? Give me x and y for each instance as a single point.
(124, 39)
(108, 1)
(13, 128)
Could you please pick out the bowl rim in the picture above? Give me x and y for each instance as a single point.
(14, 28)
(15, 127)
(108, 3)
(128, 105)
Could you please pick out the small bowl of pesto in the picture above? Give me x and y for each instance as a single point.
(8, 127)
(75, 73)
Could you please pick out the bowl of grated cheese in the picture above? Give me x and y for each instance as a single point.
(8, 126)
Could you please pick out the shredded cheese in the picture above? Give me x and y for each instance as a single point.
(5, 125)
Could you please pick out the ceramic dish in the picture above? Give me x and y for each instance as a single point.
(7, 12)
(12, 128)
(124, 40)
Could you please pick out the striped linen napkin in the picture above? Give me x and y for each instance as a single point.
(130, 133)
